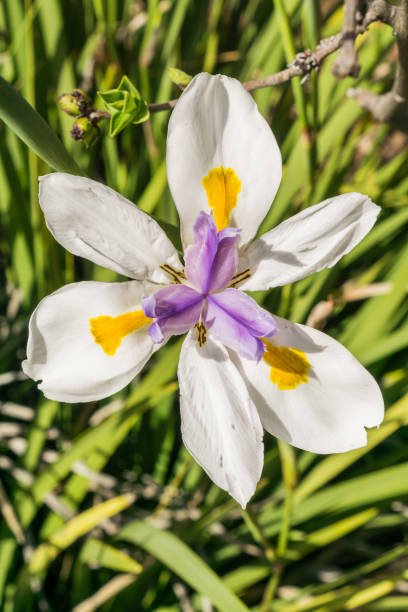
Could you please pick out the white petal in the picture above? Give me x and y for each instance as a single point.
(219, 423)
(62, 352)
(93, 221)
(314, 239)
(216, 123)
(329, 413)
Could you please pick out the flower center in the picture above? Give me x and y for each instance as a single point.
(205, 296)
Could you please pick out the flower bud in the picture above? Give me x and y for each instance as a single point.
(83, 129)
(178, 77)
(75, 103)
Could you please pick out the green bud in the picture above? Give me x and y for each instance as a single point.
(75, 103)
(83, 129)
(178, 77)
(125, 105)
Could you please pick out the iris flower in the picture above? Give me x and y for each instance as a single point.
(241, 369)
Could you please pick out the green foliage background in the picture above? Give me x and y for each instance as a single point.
(103, 499)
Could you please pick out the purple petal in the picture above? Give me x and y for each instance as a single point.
(231, 332)
(199, 256)
(225, 263)
(228, 232)
(246, 311)
(176, 309)
(175, 324)
(169, 301)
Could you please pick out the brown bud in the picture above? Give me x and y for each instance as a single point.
(76, 103)
(83, 129)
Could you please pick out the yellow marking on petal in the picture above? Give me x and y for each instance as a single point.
(289, 366)
(109, 332)
(222, 187)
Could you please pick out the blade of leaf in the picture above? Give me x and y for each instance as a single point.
(33, 130)
(178, 557)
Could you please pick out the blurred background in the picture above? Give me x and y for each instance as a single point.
(101, 507)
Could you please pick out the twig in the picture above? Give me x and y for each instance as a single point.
(385, 106)
(302, 65)
(347, 62)
(382, 107)
(349, 292)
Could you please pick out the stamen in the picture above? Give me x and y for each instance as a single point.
(202, 333)
(240, 277)
(177, 275)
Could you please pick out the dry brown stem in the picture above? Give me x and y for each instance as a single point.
(359, 14)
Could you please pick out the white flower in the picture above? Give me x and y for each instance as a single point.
(241, 369)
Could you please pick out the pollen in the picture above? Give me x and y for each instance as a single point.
(222, 187)
(289, 366)
(109, 332)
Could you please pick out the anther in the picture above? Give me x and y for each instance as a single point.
(202, 333)
(240, 277)
(177, 275)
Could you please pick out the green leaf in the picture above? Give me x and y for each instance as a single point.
(326, 535)
(178, 557)
(389, 483)
(395, 417)
(33, 130)
(126, 106)
(74, 529)
(98, 554)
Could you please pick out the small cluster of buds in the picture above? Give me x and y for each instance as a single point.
(305, 61)
(79, 105)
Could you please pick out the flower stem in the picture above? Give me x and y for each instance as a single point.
(258, 535)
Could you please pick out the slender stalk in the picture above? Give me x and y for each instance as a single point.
(172, 488)
(258, 535)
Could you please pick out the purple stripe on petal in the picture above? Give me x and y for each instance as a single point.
(176, 324)
(231, 332)
(169, 300)
(199, 256)
(246, 311)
